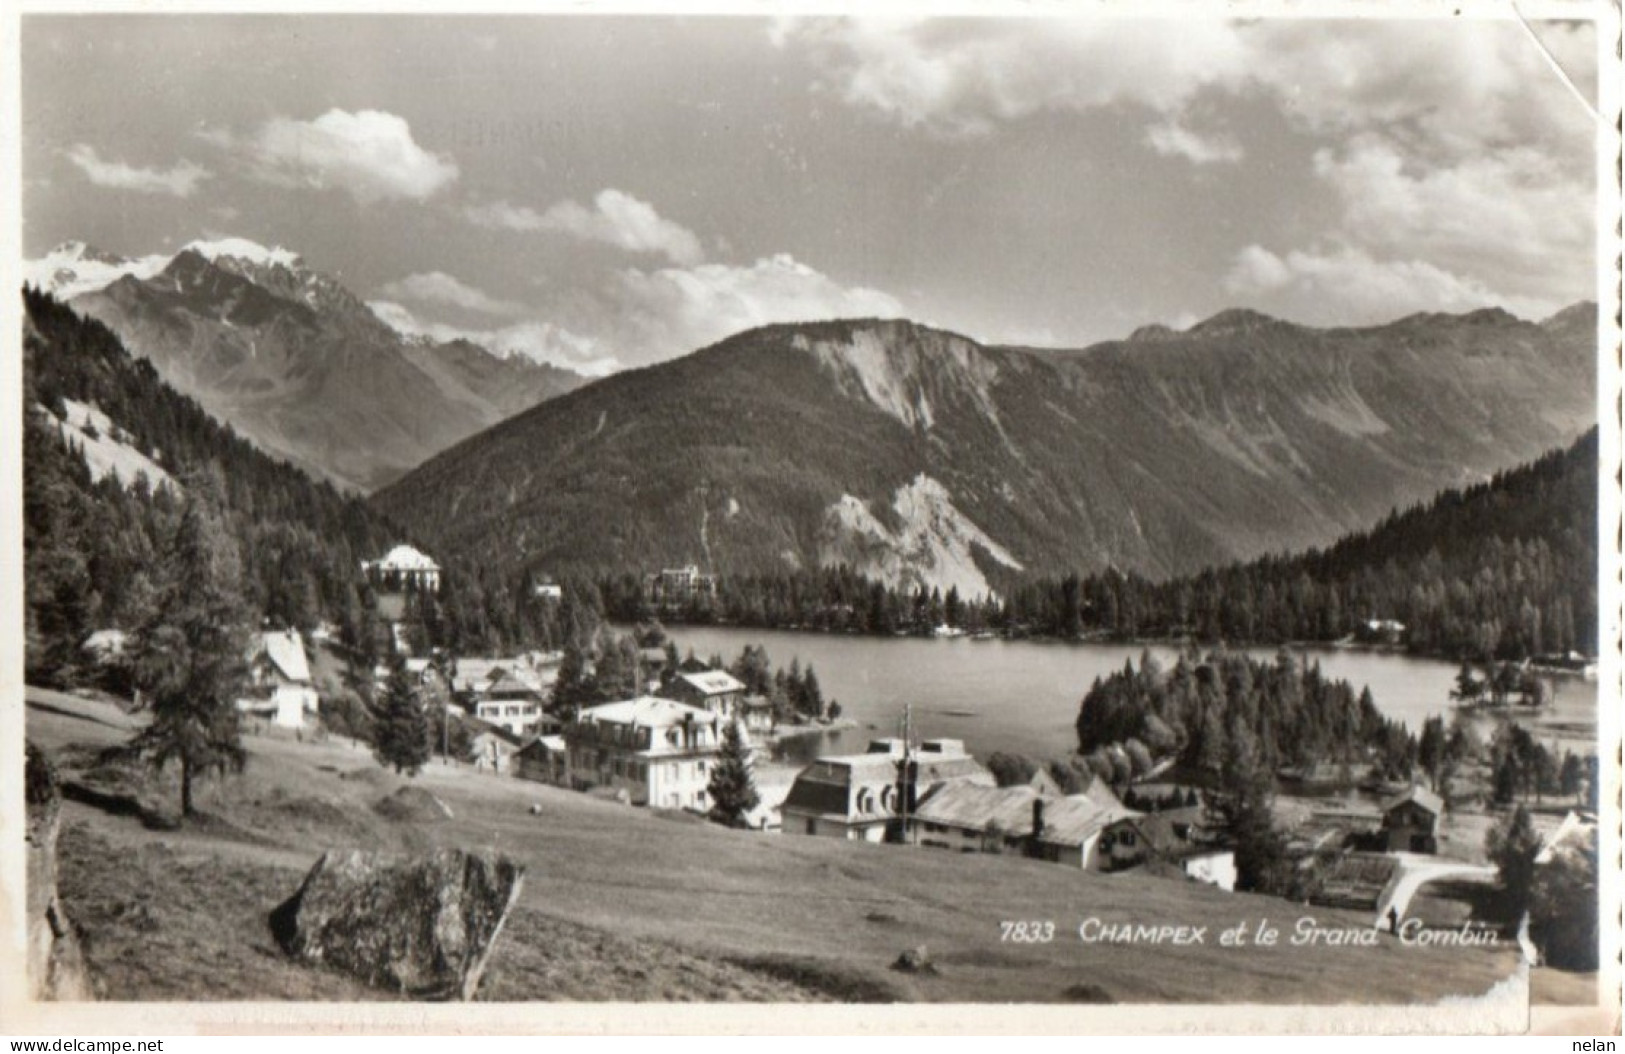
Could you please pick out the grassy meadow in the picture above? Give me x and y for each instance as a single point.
(629, 904)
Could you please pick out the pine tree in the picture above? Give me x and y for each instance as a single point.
(572, 690)
(733, 785)
(191, 658)
(1431, 749)
(1571, 777)
(401, 728)
(1245, 804)
(812, 696)
(1512, 847)
(1563, 915)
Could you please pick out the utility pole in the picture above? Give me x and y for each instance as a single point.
(906, 782)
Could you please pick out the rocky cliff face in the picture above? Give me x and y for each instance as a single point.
(56, 964)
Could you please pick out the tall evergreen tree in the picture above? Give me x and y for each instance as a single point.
(191, 658)
(733, 784)
(1512, 846)
(401, 729)
(573, 689)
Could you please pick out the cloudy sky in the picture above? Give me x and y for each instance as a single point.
(606, 192)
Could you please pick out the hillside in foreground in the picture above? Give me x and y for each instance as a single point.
(624, 904)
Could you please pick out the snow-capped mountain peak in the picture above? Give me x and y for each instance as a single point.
(74, 267)
(243, 249)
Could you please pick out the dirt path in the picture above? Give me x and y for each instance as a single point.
(1414, 872)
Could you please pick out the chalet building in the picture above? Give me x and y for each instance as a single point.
(281, 690)
(1022, 818)
(860, 796)
(1088, 832)
(492, 748)
(677, 586)
(545, 759)
(401, 570)
(1072, 830)
(511, 704)
(757, 714)
(1129, 841)
(716, 691)
(973, 818)
(1410, 822)
(508, 692)
(658, 751)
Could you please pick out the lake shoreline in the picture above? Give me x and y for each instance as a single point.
(1102, 637)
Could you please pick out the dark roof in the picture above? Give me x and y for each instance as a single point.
(1421, 796)
(1158, 832)
(477, 727)
(817, 796)
(509, 685)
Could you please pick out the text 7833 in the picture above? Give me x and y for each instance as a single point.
(1034, 932)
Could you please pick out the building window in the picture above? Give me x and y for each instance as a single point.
(812, 826)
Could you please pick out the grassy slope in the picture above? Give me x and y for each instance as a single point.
(625, 904)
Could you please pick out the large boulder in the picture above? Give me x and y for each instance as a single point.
(413, 805)
(422, 925)
(56, 964)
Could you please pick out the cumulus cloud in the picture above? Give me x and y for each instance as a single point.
(670, 311)
(635, 317)
(1171, 138)
(178, 181)
(1510, 215)
(615, 218)
(500, 215)
(1454, 155)
(963, 76)
(369, 154)
(1460, 83)
(1347, 284)
(536, 340)
(437, 287)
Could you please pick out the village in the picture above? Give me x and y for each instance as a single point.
(1386, 853)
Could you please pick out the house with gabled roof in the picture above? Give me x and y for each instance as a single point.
(281, 689)
(1410, 822)
(545, 759)
(659, 751)
(491, 747)
(509, 703)
(715, 690)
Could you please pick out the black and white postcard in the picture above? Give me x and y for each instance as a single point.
(1030, 510)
